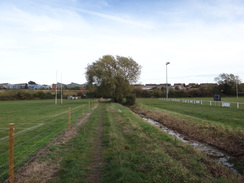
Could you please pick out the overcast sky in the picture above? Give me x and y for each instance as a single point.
(200, 38)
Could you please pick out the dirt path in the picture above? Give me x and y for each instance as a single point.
(44, 171)
(96, 166)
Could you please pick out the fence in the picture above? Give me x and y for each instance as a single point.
(237, 105)
(26, 139)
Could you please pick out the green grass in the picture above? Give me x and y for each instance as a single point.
(135, 151)
(220, 127)
(224, 116)
(132, 150)
(37, 122)
(77, 153)
(226, 99)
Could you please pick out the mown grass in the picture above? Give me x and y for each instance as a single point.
(224, 116)
(76, 155)
(135, 151)
(226, 99)
(220, 127)
(37, 122)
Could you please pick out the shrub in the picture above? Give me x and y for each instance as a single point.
(130, 99)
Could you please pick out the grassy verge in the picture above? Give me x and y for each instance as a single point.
(221, 127)
(134, 151)
(77, 155)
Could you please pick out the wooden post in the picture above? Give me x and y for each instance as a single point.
(82, 110)
(69, 117)
(11, 152)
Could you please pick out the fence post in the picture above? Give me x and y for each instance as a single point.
(210, 103)
(237, 105)
(11, 152)
(69, 117)
(83, 110)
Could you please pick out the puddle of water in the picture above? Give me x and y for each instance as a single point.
(209, 150)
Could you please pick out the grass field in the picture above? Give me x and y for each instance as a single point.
(114, 145)
(36, 123)
(132, 151)
(224, 116)
(217, 126)
(226, 99)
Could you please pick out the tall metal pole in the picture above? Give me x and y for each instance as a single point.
(167, 89)
(236, 89)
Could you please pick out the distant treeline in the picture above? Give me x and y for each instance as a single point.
(27, 94)
(157, 93)
(22, 95)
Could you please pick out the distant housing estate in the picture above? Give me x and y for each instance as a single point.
(38, 86)
(180, 86)
(69, 86)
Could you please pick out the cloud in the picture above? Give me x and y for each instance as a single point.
(195, 37)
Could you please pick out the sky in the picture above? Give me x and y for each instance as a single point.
(55, 40)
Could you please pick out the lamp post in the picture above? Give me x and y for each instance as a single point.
(167, 90)
(236, 88)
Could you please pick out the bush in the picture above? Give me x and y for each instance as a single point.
(130, 99)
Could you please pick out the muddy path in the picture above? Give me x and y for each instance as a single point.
(229, 141)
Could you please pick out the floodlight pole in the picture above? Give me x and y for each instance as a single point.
(167, 89)
(236, 89)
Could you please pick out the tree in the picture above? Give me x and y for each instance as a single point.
(227, 83)
(32, 83)
(113, 76)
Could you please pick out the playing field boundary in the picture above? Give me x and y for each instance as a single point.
(236, 105)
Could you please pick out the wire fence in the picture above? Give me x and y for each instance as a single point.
(30, 137)
(237, 105)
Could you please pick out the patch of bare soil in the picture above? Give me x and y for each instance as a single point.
(95, 168)
(223, 138)
(36, 171)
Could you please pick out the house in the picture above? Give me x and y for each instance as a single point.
(20, 86)
(47, 87)
(6, 86)
(69, 86)
(192, 85)
(138, 86)
(35, 86)
(180, 86)
(206, 85)
(151, 86)
(58, 85)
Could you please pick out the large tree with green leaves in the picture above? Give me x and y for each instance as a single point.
(227, 83)
(112, 76)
